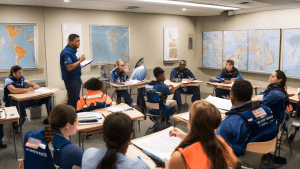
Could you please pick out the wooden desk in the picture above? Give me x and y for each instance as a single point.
(181, 120)
(11, 115)
(97, 128)
(228, 86)
(173, 86)
(28, 96)
(293, 93)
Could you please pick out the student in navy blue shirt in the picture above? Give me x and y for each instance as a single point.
(15, 84)
(117, 134)
(63, 121)
(247, 121)
(275, 95)
(179, 73)
(159, 86)
(71, 70)
(119, 76)
(229, 74)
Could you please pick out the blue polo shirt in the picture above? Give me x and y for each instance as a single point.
(68, 56)
(17, 83)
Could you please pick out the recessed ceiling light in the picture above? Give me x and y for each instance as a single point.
(190, 4)
(66, 0)
(184, 9)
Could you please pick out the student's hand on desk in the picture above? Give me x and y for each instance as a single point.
(31, 89)
(36, 87)
(177, 133)
(227, 82)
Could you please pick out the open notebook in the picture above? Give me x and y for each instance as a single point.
(220, 103)
(158, 145)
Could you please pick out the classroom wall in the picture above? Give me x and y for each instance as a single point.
(146, 38)
(276, 19)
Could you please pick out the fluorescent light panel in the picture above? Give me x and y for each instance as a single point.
(190, 4)
(66, 0)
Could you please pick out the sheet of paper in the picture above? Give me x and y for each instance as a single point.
(160, 145)
(46, 90)
(2, 114)
(185, 116)
(132, 82)
(117, 109)
(219, 102)
(90, 114)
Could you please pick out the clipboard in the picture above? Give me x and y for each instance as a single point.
(85, 62)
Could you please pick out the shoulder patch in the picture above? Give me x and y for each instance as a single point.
(33, 143)
(260, 112)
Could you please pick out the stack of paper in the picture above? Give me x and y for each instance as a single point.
(2, 114)
(90, 117)
(117, 109)
(185, 116)
(132, 82)
(219, 102)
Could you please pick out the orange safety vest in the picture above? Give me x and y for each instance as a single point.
(93, 97)
(195, 157)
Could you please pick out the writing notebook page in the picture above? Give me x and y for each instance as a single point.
(219, 102)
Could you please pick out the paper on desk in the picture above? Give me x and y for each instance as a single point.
(2, 114)
(46, 90)
(160, 145)
(117, 109)
(219, 102)
(132, 82)
(185, 116)
(91, 114)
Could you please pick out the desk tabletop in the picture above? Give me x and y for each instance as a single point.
(139, 84)
(226, 86)
(11, 115)
(133, 152)
(294, 92)
(94, 128)
(29, 96)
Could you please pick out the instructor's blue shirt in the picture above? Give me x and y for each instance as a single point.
(68, 56)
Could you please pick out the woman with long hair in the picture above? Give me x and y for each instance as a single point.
(275, 95)
(117, 133)
(201, 148)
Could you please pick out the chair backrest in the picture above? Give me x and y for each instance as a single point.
(152, 105)
(262, 147)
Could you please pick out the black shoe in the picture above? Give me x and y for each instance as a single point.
(46, 122)
(17, 131)
(2, 145)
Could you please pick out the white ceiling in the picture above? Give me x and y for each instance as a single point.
(149, 7)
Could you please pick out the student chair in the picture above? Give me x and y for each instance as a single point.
(283, 132)
(263, 148)
(154, 102)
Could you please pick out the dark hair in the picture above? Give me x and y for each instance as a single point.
(182, 61)
(117, 128)
(242, 90)
(231, 62)
(59, 117)
(72, 37)
(157, 71)
(204, 119)
(14, 69)
(93, 84)
(281, 75)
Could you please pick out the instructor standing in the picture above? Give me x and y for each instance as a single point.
(71, 70)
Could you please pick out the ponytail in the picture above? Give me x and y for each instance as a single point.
(48, 136)
(108, 161)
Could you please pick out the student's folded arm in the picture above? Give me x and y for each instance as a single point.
(191, 75)
(239, 77)
(14, 90)
(219, 75)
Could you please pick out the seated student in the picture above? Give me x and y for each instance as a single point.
(63, 123)
(15, 84)
(159, 86)
(119, 76)
(179, 73)
(117, 133)
(95, 98)
(247, 121)
(229, 74)
(275, 95)
(201, 148)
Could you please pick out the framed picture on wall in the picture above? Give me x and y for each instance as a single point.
(171, 44)
(190, 42)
